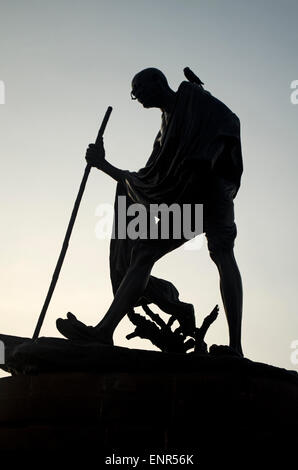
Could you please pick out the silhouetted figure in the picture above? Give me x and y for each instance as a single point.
(196, 158)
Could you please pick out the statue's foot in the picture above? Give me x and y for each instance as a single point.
(74, 329)
(221, 350)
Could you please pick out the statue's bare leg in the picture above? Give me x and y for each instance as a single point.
(131, 288)
(128, 294)
(232, 295)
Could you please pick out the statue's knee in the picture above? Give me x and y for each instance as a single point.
(220, 256)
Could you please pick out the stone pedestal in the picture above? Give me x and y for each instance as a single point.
(220, 409)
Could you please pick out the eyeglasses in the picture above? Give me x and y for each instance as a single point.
(132, 96)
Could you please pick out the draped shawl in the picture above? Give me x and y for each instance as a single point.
(201, 139)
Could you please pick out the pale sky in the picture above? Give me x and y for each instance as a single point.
(63, 62)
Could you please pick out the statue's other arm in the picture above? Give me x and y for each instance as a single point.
(95, 156)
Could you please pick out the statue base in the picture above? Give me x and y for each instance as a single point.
(115, 402)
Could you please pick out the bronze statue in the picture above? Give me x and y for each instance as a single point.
(196, 158)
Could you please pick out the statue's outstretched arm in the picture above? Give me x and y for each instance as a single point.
(95, 156)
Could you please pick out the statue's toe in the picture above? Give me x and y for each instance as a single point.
(71, 316)
(65, 329)
(75, 322)
(74, 329)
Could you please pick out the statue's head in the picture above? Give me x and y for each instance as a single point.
(149, 87)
